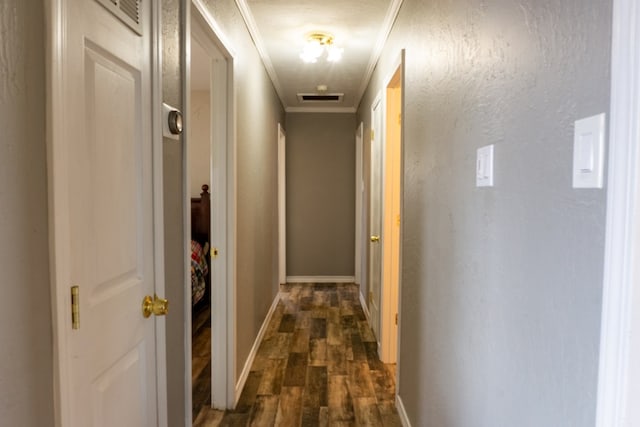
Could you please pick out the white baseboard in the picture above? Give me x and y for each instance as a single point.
(365, 308)
(254, 350)
(321, 279)
(402, 412)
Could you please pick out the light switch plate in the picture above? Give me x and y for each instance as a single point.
(588, 152)
(484, 166)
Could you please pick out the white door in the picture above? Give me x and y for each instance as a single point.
(360, 274)
(282, 205)
(103, 216)
(375, 222)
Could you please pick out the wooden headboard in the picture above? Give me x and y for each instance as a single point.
(201, 217)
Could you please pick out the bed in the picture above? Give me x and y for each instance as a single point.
(200, 249)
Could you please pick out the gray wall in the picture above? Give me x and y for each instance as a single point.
(200, 142)
(320, 170)
(26, 361)
(175, 193)
(501, 287)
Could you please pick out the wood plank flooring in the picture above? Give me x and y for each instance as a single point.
(317, 365)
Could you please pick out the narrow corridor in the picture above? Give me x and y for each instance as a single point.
(316, 366)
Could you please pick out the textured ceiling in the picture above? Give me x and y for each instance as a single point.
(279, 28)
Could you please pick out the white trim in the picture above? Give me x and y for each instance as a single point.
(321, 279)
(55, 110)
(387, 309)
(387, 26)
(222, 41)
(254, 349)
(185, 64)
(158, 209)
(618, 392)
(245, 11)
(365, 309)
(282, 206)
(402, 412)
(378, 132)
(341, 110)
(223, 115)
(358, 193)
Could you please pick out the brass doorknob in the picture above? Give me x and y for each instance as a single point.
(155, 305)
(375, 239)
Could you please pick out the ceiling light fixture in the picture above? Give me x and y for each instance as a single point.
(317, 43)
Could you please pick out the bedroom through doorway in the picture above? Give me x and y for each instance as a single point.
(209, 175)
(200, 165)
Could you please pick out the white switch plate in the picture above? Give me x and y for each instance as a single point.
(484, 167)
(588, 152)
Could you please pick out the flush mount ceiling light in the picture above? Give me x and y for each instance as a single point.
(317, 43)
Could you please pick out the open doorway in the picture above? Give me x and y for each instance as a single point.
(385, 213)
(209, 173)
(392, 216)
(199, 166)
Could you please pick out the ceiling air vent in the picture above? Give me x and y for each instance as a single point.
(320, 97)
(128, 11)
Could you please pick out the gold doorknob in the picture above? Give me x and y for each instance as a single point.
(375, 239)
(155, 305)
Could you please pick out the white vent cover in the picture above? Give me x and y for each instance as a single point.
(128, 11)
(320, 97)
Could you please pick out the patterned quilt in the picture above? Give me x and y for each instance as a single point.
(199, 270)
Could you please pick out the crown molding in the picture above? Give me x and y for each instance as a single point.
(387, 25)
(249, 20)
(321, 109)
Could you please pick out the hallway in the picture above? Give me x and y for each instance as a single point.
(317, 365)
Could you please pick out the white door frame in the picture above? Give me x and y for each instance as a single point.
(619, 373)
(389, 303)
(198, 20)
(378, 130)
(55, 16)
(282, 206)
(359, 195)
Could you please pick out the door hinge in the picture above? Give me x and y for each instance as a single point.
(75, 307)
(372, 133)
(396, 318)
(370, 297)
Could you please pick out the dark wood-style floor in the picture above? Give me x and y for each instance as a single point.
(316, 366)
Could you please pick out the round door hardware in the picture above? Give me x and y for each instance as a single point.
(175, 122)
(156, 306)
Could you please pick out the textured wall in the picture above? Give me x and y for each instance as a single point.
(320, 194)
(258, 112)
(501, 287)
(175, 194)
(26, 367)
(200, 140)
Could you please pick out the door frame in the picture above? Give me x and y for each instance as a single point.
(378, 102)
(223, 207)
(55, 17)
(360, 251)
(389, 302)
(282, 205)
(619, 373)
